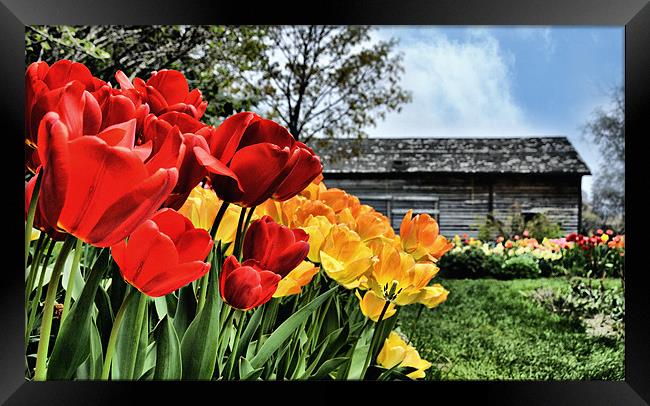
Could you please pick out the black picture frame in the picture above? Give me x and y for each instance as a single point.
(633, 14)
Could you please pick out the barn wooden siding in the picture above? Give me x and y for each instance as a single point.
(462, 202)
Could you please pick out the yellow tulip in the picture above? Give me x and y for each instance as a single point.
(345, 217)
(272, 209)
(344, 257)
(318, 227)
(420, 237)
(372, 305)
(372, 225)
(201, 207)
(396, 352)
(296, 279)
(313, 189)
(432, 296)
(338, 199)
(308, 208)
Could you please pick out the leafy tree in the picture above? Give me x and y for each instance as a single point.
(317, 80)
(328, 81)
(607, 130)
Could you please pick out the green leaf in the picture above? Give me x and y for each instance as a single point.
(144, 349)
(201, 340)
(359, 355)
(284, 331)
(126, 342)
(68, 272)
(160, 303)
(246, 370)
(328, 366)
(168, 352)
(104, 316)
(149, 362)
(96, 358)
(72, 345)
(185, 310)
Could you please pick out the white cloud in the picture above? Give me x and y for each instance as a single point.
(460, 87)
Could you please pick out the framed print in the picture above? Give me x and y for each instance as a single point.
(407, 200)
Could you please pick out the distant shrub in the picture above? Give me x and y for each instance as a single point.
(521, 266)
(463, 264)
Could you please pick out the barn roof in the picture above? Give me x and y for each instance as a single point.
(457, 155)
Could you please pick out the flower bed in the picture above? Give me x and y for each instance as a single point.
(158, 247)
(601, 254)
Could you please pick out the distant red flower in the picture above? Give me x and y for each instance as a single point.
(252, 159)
(167, 90)
(277, 248)
(599, 231)
(246, 285)
(163, 254)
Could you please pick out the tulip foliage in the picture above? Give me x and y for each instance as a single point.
(158, 247)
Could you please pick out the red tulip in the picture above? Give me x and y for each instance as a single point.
(277, 248)
(96, 191)
(119, 105)
(163, 254)
(252, 159)
(41, 79)
(246, 285)
(191, 172)
(167, 90)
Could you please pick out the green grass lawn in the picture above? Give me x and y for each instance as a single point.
(489, 330)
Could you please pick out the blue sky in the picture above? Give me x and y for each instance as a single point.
(505, 81)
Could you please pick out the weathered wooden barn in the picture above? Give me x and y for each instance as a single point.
(460, 181)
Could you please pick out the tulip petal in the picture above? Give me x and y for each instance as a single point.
(120, 135)
(269, 283)
(194, 245)
(148, 254)
(175, 278)
(266, 131)
(64, 71)
(116, 109)
(99, 175)
(305, 167)
(123, 80)
(225, 139)
(171, 84)
(170, 153)
(259, 168)
(215, 166)
(55, 157)
(172, 223)
(242, 288)
(130, 209)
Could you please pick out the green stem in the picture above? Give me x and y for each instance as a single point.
(36, 255)
(30, 216)
(71, 279)
(248, 220)
(375, 337)
(203, 287)
(235, 349)
(217, 220)
(29, 286)
(142, 306)
(110, 349)
(48, 310)
(239, 236)
(39, 291)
